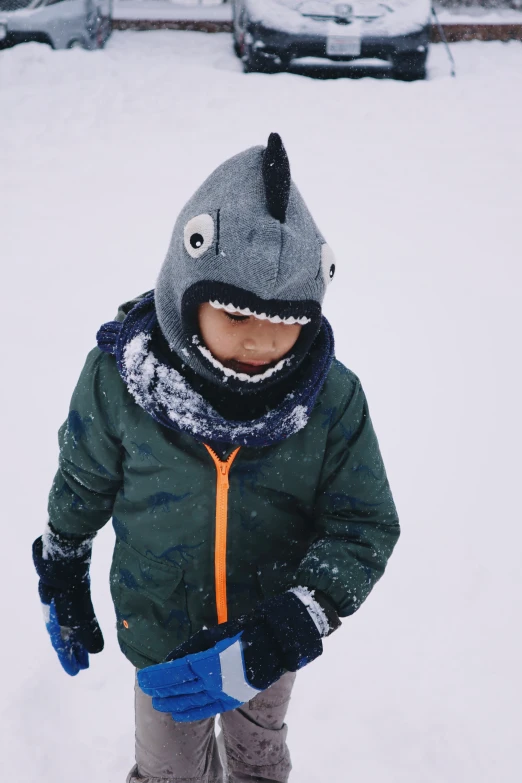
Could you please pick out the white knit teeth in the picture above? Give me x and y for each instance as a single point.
(228, 372)
(274, 319)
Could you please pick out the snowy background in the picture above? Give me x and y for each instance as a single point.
(417, 187)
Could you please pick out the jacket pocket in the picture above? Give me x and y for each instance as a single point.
(150, 603)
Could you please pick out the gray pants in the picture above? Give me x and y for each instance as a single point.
(252, 743)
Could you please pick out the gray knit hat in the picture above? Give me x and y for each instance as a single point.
(246, 243)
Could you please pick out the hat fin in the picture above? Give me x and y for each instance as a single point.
(276, 177)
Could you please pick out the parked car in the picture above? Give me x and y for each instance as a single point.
(60, 23)
(268, 34)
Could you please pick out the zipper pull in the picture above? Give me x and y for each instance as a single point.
(223, 469)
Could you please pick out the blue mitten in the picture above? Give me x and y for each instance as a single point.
(220, 668)
(62, 563)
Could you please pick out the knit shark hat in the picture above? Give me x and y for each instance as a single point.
(245, 243)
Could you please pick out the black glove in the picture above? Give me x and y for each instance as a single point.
(278, 635)
(62, 563)
(219, 668)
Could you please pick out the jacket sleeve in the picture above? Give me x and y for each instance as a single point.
(356, 522)
(90, 464)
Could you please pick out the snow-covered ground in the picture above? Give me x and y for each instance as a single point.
(418, 189)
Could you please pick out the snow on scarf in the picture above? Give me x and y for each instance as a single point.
(165, 394)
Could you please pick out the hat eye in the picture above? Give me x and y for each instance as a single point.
(198, 235)
(327, 264)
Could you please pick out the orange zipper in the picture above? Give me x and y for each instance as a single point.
(220, 546)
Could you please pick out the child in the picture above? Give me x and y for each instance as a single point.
(239, 465)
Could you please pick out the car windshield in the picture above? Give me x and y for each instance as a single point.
(333, 8)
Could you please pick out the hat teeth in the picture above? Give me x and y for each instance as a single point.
(274, 319)
(228, 372)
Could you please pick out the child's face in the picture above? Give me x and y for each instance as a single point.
(245, 343)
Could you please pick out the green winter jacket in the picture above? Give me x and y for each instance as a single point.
(201, 539)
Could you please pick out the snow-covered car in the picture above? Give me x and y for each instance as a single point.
(270, 33)
(60, 23)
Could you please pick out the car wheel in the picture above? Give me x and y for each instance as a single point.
(76, 43)
(253, 62)
(409, 66)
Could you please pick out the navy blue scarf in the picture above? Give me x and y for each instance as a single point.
(166, 395)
